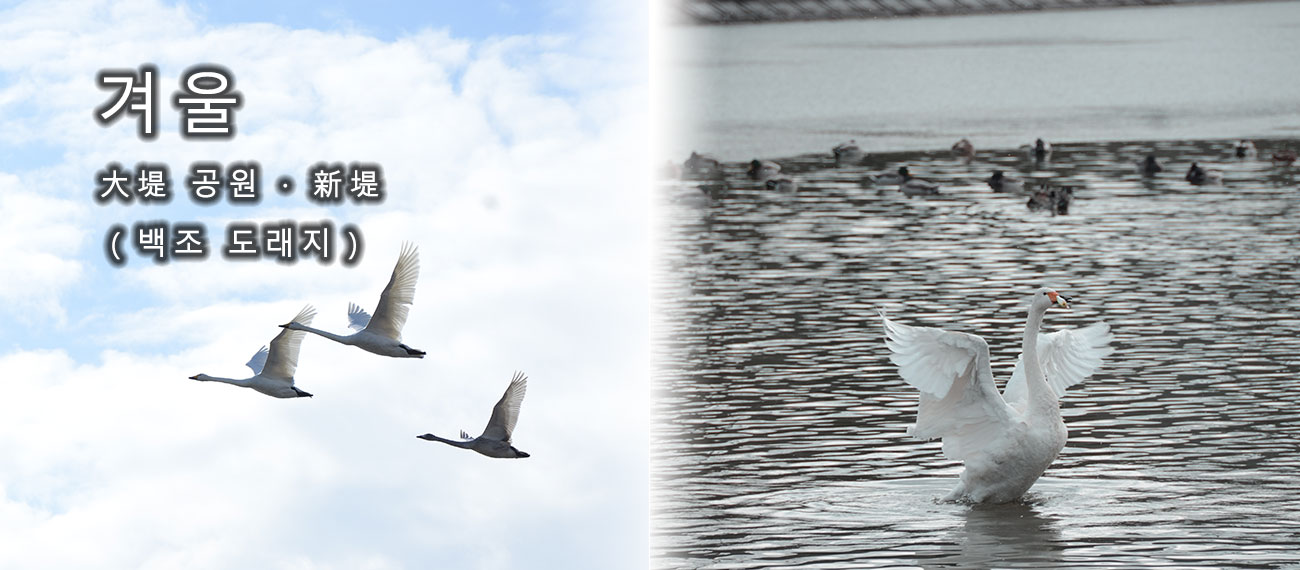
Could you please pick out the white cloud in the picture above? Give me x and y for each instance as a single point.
(513, 163)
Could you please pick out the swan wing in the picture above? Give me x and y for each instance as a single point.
(506, 412)
(395, 301)
(959, 400)
(1067, 357)
(358, 318)
(282, 358)
(258, 362)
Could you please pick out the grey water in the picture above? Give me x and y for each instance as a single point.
(779, 424)
(1141, 73)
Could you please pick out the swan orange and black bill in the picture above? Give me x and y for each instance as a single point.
(1058, 299)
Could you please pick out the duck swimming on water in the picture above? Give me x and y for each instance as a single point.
(1149, 166)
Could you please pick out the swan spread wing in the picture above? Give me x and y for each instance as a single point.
(358, 318)
(959, 400)
(395, 301)
(506, 412)
(1067, 357)
(282, 359)
(258, 362)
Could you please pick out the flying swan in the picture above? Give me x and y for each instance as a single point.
(495, 441)
(381, 334)
(273, 368)
(1005, 440)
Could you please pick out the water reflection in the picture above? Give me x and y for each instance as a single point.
(779, 432)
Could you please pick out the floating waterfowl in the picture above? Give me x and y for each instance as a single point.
(916, 186)
(848, 153)
(1245, 149)
(782, 184)
(1008, 440)
(699, 166)
(1052, 199)
(1001, 183)
(762, 169)
(1149, 166)
(963, 150)
(1040, 151)
(1198, 176)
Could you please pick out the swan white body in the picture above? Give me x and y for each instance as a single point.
(495, 440)
(1008, 440)
(382, 334)
(274, 367)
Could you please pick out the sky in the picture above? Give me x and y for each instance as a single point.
(508, 135)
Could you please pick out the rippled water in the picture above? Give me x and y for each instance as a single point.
(779, 423)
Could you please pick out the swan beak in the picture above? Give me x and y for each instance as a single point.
(427, 436)
(194, 377)
(284, 326)
(1062, 302)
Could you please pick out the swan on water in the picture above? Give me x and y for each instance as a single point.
(495, 440)
(273, 367)
(382, 333)
(1005, 440)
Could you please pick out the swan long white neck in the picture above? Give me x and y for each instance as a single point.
(334, 337)
(245, 382)
(1035, 382)
(460, 444)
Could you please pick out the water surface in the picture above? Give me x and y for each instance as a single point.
(779, 423)
(769, 90)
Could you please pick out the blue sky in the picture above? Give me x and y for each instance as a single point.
(500, 127)
(389, 20)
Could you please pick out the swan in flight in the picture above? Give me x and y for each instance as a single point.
(495, 441)
(273, 368)
(381, 334)
(1005, 440)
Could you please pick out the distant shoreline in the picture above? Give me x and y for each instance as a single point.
(726, 12)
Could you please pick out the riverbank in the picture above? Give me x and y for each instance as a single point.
(710, 12)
